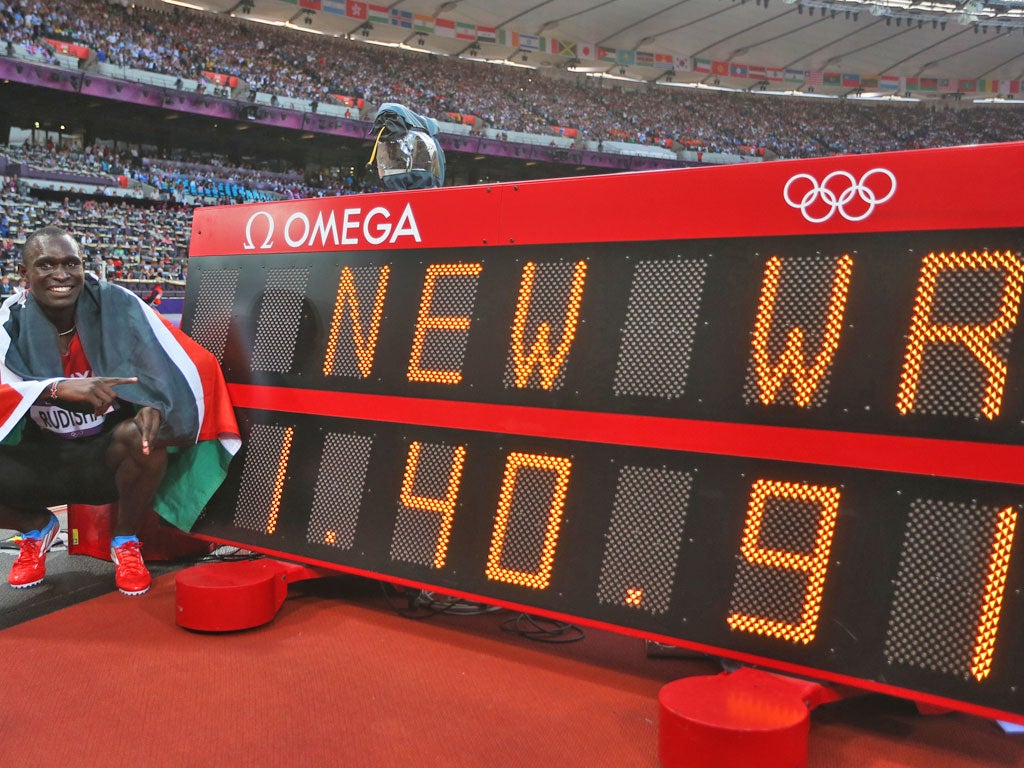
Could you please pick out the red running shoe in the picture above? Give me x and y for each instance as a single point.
(131, 575)
(30, 567)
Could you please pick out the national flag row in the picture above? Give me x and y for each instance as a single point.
(585, 51)
(849, 80)
(430, 25)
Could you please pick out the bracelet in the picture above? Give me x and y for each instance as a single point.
(53, 390)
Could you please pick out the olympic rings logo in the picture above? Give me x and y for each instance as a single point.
(855, 202)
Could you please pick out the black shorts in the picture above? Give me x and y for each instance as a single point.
(44, 470)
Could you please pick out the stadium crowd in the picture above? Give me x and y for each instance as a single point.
(121, 241)
(146, 239)
(179, 175)
(143, 239)
(184, 43)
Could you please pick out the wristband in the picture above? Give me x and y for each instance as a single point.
(53, 390)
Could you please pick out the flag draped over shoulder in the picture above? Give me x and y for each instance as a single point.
(123, 337)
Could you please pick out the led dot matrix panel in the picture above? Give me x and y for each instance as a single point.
(774, 412)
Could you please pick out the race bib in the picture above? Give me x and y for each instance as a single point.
(67, 424)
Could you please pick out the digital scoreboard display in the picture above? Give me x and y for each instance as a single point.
(773, 412)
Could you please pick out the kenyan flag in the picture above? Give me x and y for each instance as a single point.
(123, 337)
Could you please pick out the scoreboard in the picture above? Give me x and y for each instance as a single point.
(773, 412)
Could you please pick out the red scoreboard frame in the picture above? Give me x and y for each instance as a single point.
(771, 411)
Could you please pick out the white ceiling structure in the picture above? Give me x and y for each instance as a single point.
(927, 48)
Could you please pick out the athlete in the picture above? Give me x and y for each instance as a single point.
(94, 389)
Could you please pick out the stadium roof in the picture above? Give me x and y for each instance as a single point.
(925, 48)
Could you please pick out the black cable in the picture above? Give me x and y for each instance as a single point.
(230, 557)
(455, 606)
(410, 611)
(543, 630)
(421, 604)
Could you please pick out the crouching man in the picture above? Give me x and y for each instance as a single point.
(101, 400)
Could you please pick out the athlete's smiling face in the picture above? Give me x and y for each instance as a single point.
(55, 273)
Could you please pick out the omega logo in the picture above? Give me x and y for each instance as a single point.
(299, 231)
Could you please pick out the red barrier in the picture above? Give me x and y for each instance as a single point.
(348, 101)
(69, 49)
(218, 78)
